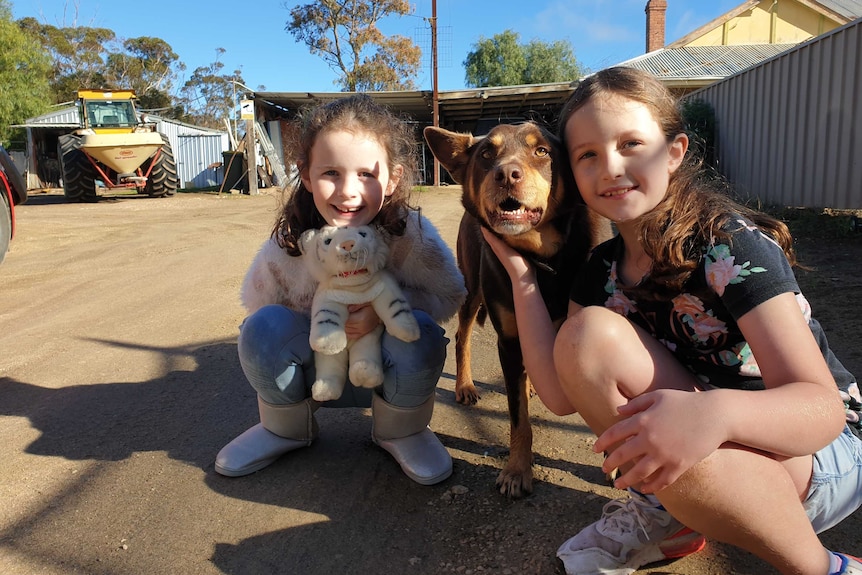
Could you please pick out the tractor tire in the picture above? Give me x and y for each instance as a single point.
(79, 176)
(5, 224)
(163, 178)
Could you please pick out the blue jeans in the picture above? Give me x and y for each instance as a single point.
(836, 483)
(279, 363)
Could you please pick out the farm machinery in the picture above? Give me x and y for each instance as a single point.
(13, 191)
(115, 146)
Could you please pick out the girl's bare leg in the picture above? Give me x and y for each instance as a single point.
(602, 360)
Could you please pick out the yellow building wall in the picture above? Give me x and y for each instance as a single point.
(770, 22)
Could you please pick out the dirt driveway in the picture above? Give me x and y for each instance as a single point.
(119, 382)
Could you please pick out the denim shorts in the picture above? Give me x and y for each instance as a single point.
(836, 482)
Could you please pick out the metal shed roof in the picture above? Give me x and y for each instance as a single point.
(458, 109)
(61, 117)
(698, 63)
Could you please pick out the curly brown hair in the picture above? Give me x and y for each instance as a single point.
(358, 114)
(698, 203)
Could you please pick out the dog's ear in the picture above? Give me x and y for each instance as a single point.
(451, 149)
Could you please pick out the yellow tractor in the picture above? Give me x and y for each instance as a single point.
(116, 147)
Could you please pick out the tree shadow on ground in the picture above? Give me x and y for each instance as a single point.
(362, 514)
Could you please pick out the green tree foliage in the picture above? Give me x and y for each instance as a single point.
(85, 57)
(502, 61)
(497, 61)
(554, 62)
(699, 117)
(148, 66)
(78, 54)
(24, 70)
(344, 33)
(209, 97)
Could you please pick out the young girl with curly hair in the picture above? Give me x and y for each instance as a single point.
(356, 166)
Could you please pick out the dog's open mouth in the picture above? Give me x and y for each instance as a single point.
(511, 211)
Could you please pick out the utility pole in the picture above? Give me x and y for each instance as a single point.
(435, 103)
(247, 113)
(251, 152)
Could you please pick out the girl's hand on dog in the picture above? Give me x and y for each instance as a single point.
(516, 265)
(362, 320)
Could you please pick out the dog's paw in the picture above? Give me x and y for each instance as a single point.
(612, 475)
(515, 484)
(467, 394)
(326, 390)
(364, 373)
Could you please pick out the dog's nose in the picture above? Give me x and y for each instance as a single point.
(348, 245)
(508, 174)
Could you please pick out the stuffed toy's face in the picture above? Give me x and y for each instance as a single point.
(347, 255)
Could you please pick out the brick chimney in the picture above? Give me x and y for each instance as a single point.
(655, 11)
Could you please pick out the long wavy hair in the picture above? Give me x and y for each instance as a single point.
(358, 114)
(698, 202)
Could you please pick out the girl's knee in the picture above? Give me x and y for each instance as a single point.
(591, 328)
(275, 354)
(587, 355)
(270, 327)
(413, 369)
(429, 350)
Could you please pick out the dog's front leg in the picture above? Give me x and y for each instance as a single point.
(516, 478)
(465, 390)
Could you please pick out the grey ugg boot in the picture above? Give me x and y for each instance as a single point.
(282, 428)
(404, 433)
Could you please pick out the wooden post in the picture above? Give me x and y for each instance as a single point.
(435, 95)
(251, 151)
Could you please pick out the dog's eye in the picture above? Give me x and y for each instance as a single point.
(487, 154)
(542, 151)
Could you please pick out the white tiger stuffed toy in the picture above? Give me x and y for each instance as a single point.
(349, 264)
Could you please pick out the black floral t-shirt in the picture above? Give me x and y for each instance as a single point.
(699, 326)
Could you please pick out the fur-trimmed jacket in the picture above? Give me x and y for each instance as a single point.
(420, 260)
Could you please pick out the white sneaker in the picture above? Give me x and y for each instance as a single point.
(849, 565)
(630, 534)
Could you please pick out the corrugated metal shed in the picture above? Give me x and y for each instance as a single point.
(196, 155)
(789, 130)
(195, 149)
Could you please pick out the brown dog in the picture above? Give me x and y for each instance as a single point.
(516, 182)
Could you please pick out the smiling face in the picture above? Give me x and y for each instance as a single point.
(348, 175)
(620, 156)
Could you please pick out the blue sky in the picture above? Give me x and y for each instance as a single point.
(602, 32)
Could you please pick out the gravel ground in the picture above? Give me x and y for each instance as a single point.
(119, 382)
